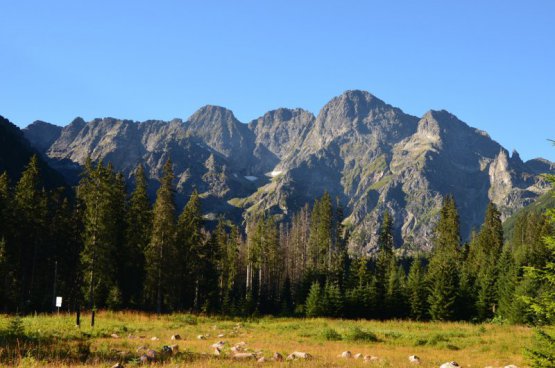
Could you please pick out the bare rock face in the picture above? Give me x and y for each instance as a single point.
(370, 155)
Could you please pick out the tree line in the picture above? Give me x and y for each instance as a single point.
(101, 246)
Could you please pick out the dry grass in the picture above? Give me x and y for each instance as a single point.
(54, 341)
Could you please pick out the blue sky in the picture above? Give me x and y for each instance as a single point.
(491, 63)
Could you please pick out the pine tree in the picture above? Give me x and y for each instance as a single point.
(484, 253)
(31, 258)
(386, 263)
(506, 288)
(444, 267)
(192, 254)
(137, 238)
(416, 289)
(313, 304)
(543, 306)
(160, 254)
(332, 300)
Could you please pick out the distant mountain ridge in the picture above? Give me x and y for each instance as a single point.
(370, 155)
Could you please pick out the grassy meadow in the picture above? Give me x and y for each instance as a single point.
(55, 341)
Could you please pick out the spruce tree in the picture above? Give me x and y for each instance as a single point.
(543, 305)
(416, 290)
(100, 191)
(332, 300)
(32, 258)
(386, 263)
(484, 253)
(313, 304)
(193, 256)
(160, 254)
(506, 288)
(444, 266)
(137, 238)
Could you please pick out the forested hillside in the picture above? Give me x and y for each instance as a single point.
(108, 247)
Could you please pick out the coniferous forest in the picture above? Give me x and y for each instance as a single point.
(104, 246)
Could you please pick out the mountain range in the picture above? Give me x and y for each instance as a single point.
(369, 155)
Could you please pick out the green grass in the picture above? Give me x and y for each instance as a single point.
(55, 341)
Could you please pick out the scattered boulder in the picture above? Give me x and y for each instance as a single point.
(201, 337)
(357, 356)
(243, 356)
(154, 338)
(151, 354)
(176, 337)
(346, 354)
(450, 365)
(217, 352)
(298, 355)
(277, 357)
(370, 358)
(236, 349)
(261, 360)
(174, 348)
(414, 359)
(510, 366)
(219, 344)
(221, 335)
(117, 365)
(114, 336)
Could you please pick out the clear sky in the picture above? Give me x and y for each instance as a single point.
(491, 63)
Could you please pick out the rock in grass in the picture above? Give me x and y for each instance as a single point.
(176, 337)
(370, 358)
(219, 344)
(357, 356)
(217, 351)
(450, 365)
(154, 338)
(201, 337)
(114, 336)
(414, 359)
(117, 365)
(277, 357)
(261, 360)
(298, 355)
(510, 366)
(244, 356)
(346, 354)
(151, 354)
(174, 348)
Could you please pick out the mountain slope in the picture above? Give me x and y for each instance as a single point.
(370, 155)
(15, 153)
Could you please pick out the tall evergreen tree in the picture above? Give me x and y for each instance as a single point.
(543, 306)
(416, 289)
(386, 263)
(32, 258)
(100, 195)
(484, 253)
(444, 266)
(192, 252)
(160, 254)
(313, 304)
(137, 238)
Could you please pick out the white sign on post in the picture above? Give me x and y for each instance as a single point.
(58, 301)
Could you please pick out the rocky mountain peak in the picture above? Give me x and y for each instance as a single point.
(210, 114)
(368, 154)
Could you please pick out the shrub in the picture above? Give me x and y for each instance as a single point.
(332, 335)
(358, 334)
